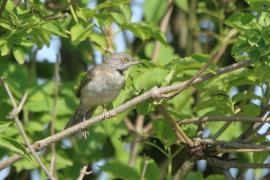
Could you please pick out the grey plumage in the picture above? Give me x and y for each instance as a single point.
(101, 85)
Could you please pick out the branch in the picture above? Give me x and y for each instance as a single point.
(153, 93)
(229, 147)
(213, 59)
(56, 80)
(233, 164)
(163, 28)
(180, 134)
(185, 168)
(134, 146)
(84, 172)
(14, 115)
(198, 120)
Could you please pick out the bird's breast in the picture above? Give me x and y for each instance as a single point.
(102, 89)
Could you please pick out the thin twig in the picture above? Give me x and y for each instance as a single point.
(145, 164)
(163, 28)
(180, 134)
(247, 134)
(109, 39)
(22, 131)
(213, 59)
(153, 93)
(134, 146)
(83, 172)
(227, 174)
(56, 80)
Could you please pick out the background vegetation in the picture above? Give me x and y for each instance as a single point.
(212, 126)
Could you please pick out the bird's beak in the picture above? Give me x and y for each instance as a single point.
(127, 65)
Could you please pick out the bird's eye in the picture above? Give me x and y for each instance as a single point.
(124, 60)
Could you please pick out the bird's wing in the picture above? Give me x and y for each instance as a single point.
(86, 79)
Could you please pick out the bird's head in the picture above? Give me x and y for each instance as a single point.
(121, 61)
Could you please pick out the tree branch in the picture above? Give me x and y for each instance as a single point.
(198, 120)
(233, 164)
(153, 93)
(163, 28)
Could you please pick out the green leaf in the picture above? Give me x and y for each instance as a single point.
(182, 4)
(154, 10)
(194, 175)
(4, 126)
(164, 131)
(55, 29)
(215, 177)
(86, 14)
(145, 31)
(150, 78)
(19, 54)
(119, 170)
(119, 18)
(80, 33)
(240, 20)
(109, 4)
(14, 146)
(5, 24)
(165, 54)
(4, 47)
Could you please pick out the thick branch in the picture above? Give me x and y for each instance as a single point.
(198, 120)
(233, 164)
(153, 93)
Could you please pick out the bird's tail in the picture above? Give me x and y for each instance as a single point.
(79, 116)
(76, 118)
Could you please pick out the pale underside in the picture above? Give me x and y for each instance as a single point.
(101, 89)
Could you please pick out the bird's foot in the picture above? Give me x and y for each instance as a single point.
(85, 132)
(105, 114)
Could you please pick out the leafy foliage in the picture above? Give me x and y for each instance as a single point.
(196, 33)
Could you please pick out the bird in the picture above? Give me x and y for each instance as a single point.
(101, 85)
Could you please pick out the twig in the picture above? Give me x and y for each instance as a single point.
(198, 120)
(83, 172)
(227, 174)
(185, 168)
(134, 145)
(22, 131)
(214, 59)
(145, 164)
(4, 3)
(109, 39)
(163, 28)
(247, 134)
(56, 80)
(180, 134)
(153, 93)
(233, 164)
(226, 147)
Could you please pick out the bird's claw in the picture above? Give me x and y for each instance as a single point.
(85, 134)
(105, 114)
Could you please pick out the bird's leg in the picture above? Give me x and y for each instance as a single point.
(85, 132)
(104, 114)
